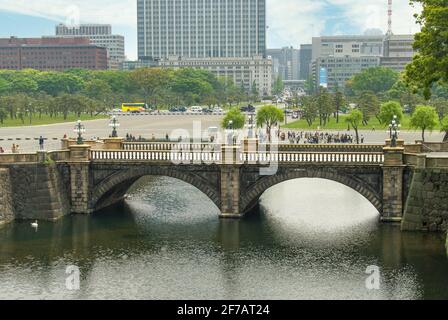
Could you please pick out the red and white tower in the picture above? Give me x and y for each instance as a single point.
(389, 15)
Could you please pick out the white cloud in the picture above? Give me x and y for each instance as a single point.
(291, 22)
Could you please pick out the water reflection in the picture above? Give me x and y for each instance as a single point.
(311, 239)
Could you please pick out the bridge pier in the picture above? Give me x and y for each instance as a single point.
(393, 170)
(80, 186)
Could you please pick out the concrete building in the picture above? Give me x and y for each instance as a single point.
(398, 52)
(56, 54)
(336, 59)
(100, 35)
(201, 29)
(306, 57)
(243, 71)
(132, 65)
(285, 63)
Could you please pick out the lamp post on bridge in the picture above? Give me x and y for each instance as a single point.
(114, 124)
(79, 130)
(394, 128)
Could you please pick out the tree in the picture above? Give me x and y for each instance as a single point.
(325, 106)
(278, 86)
(269, 116)
(55, 83)
(424, 118)
(387, 112)
(4, 86)
(310, 109)
(150, 81)
(430, 64)
(441, 106)
(377, 80)
(236, 116)
(355, 119)
(339, 101)
(254, 91)
(444, 128)
(369, 105)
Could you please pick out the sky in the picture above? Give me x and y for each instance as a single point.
(290, 22)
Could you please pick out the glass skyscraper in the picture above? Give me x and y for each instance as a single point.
(201, 28)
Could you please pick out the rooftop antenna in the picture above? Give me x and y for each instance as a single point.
(389, 21)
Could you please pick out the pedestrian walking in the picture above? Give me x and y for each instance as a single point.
(1, 150)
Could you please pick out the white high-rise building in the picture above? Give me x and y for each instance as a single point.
(201, 28)
(100, 35)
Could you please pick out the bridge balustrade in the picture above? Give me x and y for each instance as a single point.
(244, 157)
(313, 157)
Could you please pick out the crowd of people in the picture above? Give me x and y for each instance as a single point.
(319, 137)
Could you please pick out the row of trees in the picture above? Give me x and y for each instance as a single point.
(29, 93)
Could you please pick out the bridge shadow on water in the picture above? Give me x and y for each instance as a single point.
(307, 238)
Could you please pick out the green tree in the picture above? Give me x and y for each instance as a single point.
(369, 105)
(278, 86)
(441, 106)
(269, 116)
(310, 109)
(377, 80)
(254, 91)
(444, 128)
(325, 106)
(339, 102)
(424, 118)
(55, 83)
(150, 81)
(236, 116)
(355, 119)
(430, 64)
(388, 111)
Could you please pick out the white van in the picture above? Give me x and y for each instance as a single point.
(196, 109)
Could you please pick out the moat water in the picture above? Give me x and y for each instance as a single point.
(311, 239)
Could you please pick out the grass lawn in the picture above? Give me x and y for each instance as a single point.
(342, 125)
(46, 119)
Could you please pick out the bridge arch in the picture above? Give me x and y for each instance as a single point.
(252, 195)
(115, 186)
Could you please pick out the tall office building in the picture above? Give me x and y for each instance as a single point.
(201, 28)
(306, 57)
(285, 63)
(100, 35)
(398, 52)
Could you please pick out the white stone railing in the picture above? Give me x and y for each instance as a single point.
(246, 157)
(313, 157)
(156, 156)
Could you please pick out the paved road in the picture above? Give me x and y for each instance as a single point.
(146, 126)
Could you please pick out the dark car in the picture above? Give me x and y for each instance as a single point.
(250, 108)
(174, 109)
(207, 111)
(182, 109)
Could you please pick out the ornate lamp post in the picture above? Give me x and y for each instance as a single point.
(79, 130)
(251, 125)
(114, 124)
(394, 128)
(230, 126)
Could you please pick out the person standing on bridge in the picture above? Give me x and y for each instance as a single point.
(41, 143)
(1, 150)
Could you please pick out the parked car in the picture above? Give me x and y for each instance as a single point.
(218, 110)
(207, 110)
(196, 109)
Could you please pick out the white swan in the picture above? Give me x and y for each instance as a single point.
(35, 224)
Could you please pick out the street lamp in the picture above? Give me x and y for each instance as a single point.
(394, 128)
(230, 126)
(114, 124)
(79, 130)
(251, 125)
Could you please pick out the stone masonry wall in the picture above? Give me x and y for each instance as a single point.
(38, 192)
(6, 210)
(427, 204)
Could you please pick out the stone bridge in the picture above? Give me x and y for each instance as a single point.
(85, 178)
